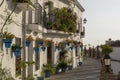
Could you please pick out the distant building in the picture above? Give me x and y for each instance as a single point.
(37, 20)
(115, 43)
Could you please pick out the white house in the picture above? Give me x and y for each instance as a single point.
(35, 18)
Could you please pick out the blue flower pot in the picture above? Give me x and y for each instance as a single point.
(71, 48)
(58, 48)
(8, 43)
(17, 52)
(80, 63)
(68, 44)
(64, 69)
(47, 73)
(40, 78)
(40, 42)
(27, 43)
(43, 48)
(57, 71)
(70, 67)
(36, 50)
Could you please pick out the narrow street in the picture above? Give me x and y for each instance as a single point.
(90, 70)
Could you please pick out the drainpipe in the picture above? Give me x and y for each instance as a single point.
(23, 42)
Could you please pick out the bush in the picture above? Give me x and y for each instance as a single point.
(106, 49)
(63, 64)
(48, 67)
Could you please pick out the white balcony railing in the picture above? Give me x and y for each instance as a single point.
(36, 28)
(57, 32)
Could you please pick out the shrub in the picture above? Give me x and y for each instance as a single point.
(106, 49)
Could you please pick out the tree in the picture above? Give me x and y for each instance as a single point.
(106, 49)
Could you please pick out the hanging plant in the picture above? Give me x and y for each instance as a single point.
(43, 48)
(28, 40)
(16, 49)
(8, 37)
(68, 41)
(59, 45)
(40, 41)
(48, 42)
(36, 49)
(58, 48)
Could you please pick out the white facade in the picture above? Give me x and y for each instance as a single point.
(24, 22)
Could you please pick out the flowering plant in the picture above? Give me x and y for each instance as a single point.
(30, 38)
(8, 35)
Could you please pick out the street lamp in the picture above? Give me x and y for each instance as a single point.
(84, 20)
(107, 61)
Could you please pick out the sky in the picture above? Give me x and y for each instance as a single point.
(103, 21)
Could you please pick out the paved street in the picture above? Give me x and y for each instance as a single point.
(88, 71)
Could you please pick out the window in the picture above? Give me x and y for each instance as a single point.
(30, 18)
(38, 13)
(48, 7)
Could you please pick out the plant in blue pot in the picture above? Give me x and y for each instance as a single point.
(36, 49)
(68, 41)
(71, 48)
(63, 65)
(58, 48)
(16, 48)
(8, 37)
(70, 66)
(29, 39)
(48, 69)
(40, 41)
(59, 45)
(43, 48)
(48, 42)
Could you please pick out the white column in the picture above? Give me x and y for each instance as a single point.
(34, 58)
(26, 59)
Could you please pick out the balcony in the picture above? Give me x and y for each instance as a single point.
(24, 4)
(57, 32)
(36, 28)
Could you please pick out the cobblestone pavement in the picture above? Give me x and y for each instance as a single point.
(90, 70)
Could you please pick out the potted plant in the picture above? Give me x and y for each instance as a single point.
(48, 69)
(42, 75)
(70, 67)
(36, 49)
(43, 48)
(80, 57)
(68, 41)
(58, 47)
(8, 39)
(16, 49)
(40, 41)
(57, 68)
(106, 49)
(48, 42)
(28, 40)
(63, 65)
